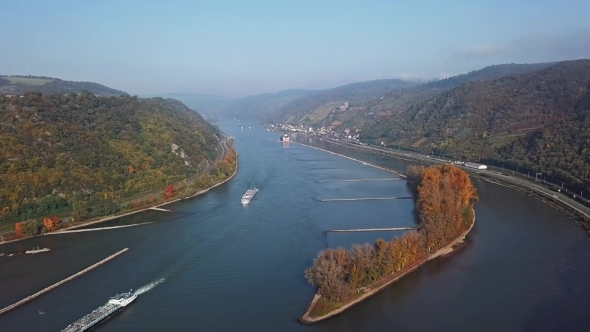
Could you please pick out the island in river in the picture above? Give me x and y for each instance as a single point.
(445, 198)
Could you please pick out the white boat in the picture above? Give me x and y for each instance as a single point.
(247, 197)
(123, 299)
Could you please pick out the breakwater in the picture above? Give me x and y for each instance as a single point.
(358, 161)
(372, 229)
(97, 229)
(59, 283)
(159, 209)
(359, 180)
(363, 199)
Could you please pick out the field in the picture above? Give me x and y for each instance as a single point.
(500, 140)
(419, 142)
(319, 114)
(27, 80)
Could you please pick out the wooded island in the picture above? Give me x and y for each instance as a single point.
(445, 198)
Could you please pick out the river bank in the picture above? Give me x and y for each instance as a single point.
(103, 219)
(308, 319)
(557, 200)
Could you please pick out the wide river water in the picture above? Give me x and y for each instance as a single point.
(215, 265)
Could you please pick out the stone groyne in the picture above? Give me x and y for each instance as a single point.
(59, 283)
(401, 175)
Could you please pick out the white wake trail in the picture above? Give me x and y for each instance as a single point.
(149, 286)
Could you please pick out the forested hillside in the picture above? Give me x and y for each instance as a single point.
(18, 85)
(263, 105)
(398, 101)
(560, 150)
(60, 149)
(535, 121)
(315, 108)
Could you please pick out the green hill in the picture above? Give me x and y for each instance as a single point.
(400, 100)
(316, 108)
(60, 149)
(560, 150)
(536, 120)
(18, 85)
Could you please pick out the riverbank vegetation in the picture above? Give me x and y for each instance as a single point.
(221, 170)
(445, 196)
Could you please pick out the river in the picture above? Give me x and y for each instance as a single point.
(215, 265)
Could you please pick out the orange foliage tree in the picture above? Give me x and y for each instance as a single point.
(49, 224)
(19, 228)
(169, 191)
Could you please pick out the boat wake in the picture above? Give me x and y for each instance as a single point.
(149, 286)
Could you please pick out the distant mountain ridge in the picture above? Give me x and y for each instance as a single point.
(378, 98)
(204, 103)
(18, 85)
(264, 105)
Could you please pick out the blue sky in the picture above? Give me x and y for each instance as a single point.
(236, 48)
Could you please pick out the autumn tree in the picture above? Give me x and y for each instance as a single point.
(170, 191)
(328, 273)
(49, 224)
(19, 228)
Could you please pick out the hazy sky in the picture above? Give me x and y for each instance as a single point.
(236, 48)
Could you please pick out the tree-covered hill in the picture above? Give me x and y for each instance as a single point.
(560, 150)
(489, 108)
(315, 108)
(263, 105)
(536, 121)
(60, 148)
(18, 85)
(399, 101)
